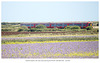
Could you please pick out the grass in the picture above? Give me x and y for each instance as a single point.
(50, 40)
(30, 42)
(65, 32)
(48, 35)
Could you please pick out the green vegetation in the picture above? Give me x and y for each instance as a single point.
(52, 34)
(22, 28)
(6, 29)
(9, 27)
(96, 23)
(72, 27)
(68, 27)
(75, 27)
(53, 39)
(89, 28)
(41, 26)
(15, 27)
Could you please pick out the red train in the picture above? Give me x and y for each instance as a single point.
(57, 25)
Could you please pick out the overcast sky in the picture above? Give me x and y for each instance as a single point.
(49, 11)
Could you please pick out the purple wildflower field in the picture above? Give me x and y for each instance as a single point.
(51, 50)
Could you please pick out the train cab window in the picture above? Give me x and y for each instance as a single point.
(90, 24)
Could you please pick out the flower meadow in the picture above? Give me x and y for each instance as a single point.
(87, 49)
(85, 46)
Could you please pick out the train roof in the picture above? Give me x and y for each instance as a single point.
(53, 22)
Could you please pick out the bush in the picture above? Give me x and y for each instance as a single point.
(95, 30)
(72, 27)
(6, 29)
(23, 28)
(89, 28)
(68, 27)
(39, 30)
(41, 26)
(55, 29)
(75, 27)
(32, 29)
(36, 29)
(20, 29)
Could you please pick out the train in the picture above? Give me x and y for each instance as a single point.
(58, 25)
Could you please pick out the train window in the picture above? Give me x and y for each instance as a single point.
(23, 24)
(84, 24)
(65, 24)
(46, 24)
(58, 24)
(52, 24)
(32, 24)
(77, 24)
(27, 25)
(70, 24)
(36, 24)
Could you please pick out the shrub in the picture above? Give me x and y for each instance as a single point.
(36, 29)
(33, 29)
(68, 27)
(54, 29)
(6, 29)
(39, 30)
(75, 27)
(41, 26)
(95, 30)
(89, 28)
(72, 27)
(46, 29)
(22, 28)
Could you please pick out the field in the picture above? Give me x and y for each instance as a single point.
(21, 42)
(49, 45)
(51, 50)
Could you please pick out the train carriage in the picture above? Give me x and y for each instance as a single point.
(57, 25)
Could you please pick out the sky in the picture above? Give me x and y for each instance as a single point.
(49, 11)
